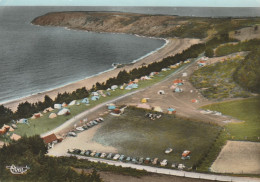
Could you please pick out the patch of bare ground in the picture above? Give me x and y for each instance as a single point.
(247, 33)
(238, 157)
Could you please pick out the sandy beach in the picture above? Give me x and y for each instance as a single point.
(174, 46)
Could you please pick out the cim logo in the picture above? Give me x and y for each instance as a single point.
(17, 170)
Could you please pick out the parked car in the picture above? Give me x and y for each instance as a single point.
(72, 134)
(168, 150)
(122, 157)
(80, 129)
(93, 153)
(116, 157)
(76, 151)
(155, 161)
(128, 159)
(85, 127)
(97, 154)
(109, 156)
(88, 152)
(174, 165)
(147, 160)
(89, 125)
(82, 152)
(164, 162)
(98, 120)
(103, 155)
(181, 166)
(134, 160)
(95, 122)
(141, 160)
(101, 119)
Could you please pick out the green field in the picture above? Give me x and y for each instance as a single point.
(135, 135)
(44, 124)
(246, 110)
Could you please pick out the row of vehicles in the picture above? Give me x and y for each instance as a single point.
(123, 158)
(85, 126)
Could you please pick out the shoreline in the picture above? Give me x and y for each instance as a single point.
(171, 47)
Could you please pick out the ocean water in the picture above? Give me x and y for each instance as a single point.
(34, 59)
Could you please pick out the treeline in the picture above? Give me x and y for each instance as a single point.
(31, 152)
(247, 74)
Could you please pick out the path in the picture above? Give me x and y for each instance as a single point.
(171, 171)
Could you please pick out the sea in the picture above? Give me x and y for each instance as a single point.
(34, 59)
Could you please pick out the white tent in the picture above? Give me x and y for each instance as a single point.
(114, 87)
(161, 92)
(52, 115)
(64, 111)
(95, 94)
(57, 106)
(72, 103)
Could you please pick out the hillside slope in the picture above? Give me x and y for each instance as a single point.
(146, 25)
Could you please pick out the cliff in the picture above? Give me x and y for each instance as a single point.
(147, 25)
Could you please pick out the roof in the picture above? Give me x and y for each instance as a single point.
(50, 138)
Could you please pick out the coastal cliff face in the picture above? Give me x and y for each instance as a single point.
(147, 25)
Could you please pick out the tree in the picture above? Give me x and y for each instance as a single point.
(209, 53)
(48, 101)
(6, 115)
(25, 110)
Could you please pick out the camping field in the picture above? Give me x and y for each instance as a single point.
(246, 110)
(135, 135)
(44, 124)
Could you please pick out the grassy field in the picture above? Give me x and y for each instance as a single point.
(44, 124)
(246, 110)
(133, 134)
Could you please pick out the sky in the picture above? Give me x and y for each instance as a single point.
(198, 3)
